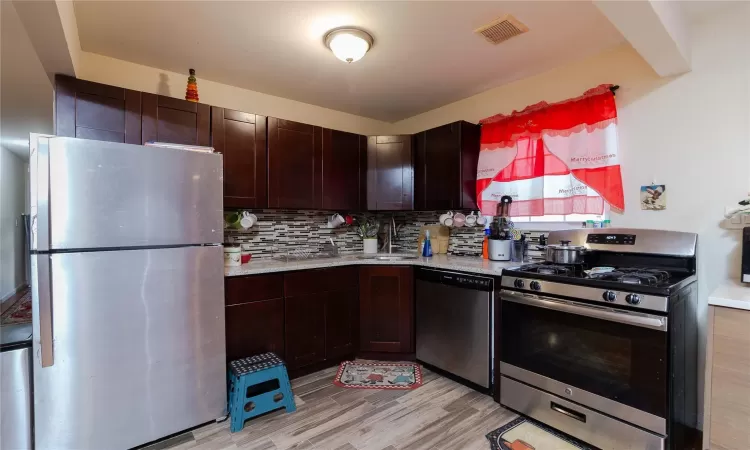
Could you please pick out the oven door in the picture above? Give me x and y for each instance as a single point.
(607, 359)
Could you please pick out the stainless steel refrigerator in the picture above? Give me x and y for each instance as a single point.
(128, 292)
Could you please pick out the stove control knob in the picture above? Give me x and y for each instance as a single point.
(633, 299)
(535, 286)
(609, 296)
(519, 283)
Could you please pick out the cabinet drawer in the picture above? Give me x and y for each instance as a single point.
(253, 288)
(320, 280)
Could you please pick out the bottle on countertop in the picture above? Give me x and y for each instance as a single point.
(427, 245)
(486, 242)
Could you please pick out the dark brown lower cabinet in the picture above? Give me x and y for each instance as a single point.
(304, 317)
(255, 327)
(386, 295)
(342, 323)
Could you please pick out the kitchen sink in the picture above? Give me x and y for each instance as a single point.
(389, 256)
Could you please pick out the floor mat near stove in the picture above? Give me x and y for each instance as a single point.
(527, 434)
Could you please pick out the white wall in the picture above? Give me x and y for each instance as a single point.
(12, 204)
(690, 132)
(116, 72)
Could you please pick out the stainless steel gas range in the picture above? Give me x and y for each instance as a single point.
(607, 357)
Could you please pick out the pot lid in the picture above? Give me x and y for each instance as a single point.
(565, 245)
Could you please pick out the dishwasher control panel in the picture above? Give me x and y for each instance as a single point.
(455, 279)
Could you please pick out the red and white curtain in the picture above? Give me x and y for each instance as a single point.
(556, 158)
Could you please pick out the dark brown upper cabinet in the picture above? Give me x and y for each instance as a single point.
(445, 167)
(241, 138)
(390, 184)
(167, 119)
(89, 110)
(294, 164)
(344, 168)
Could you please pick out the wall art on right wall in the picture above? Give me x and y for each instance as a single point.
(654, 197)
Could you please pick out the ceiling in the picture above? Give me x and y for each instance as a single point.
(425, 53)
(25, 89)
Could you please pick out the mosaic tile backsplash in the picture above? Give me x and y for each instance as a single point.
(280, 231)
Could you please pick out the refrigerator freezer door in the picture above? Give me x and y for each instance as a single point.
(139, 347)
(15, 392)
(111, 195)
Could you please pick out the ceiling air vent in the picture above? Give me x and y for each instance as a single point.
(502, 29)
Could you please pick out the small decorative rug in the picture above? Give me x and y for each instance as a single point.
(378, 375)
(527, 434)
(18, 312)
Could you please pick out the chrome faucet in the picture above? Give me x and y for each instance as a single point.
(392, 234)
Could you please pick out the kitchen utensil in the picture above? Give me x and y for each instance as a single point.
(232, 220)
(448, 222)
(336, 220)
(232, 255)
(471, 220)
(459, 220)
(481, 220)
(247, 220)
(564, 253)
(446, 216)
(246, 253)
(503, 208)
(597, 270)
(499, 249)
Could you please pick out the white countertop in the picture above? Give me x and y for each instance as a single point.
(731, 294)
(460, 263)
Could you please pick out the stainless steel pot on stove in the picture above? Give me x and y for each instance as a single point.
(564, 253)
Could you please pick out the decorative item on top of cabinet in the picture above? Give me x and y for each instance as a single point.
(294, 170)
(191, 91)
(241, 138)
(445, 167)
(167, 119)
(390, 173)
(89, 110)
(254, 315)
(344, 169)
(386, 295)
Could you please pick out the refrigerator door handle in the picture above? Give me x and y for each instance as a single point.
(44, 292)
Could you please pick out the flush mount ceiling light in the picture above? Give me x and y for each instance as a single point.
(348, 44)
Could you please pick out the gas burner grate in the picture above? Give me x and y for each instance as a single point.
(651, 277)
(549, 269)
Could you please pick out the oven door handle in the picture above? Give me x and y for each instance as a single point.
(597, 312)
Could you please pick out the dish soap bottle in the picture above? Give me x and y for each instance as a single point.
(427, 246)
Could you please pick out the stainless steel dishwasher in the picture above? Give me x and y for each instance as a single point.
(454, 324)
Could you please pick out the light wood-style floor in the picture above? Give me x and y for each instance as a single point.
(441, 414)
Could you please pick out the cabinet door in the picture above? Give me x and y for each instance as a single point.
(167, 119)
(386, 309)
(342, 171)
(88, 110)
(470, 135)
(342, 323)
(304, 329)
(294, 169)
(390, 184)
(255, 327)
(241, 138)
(437, 168)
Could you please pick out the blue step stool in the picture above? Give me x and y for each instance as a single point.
(257, 385)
